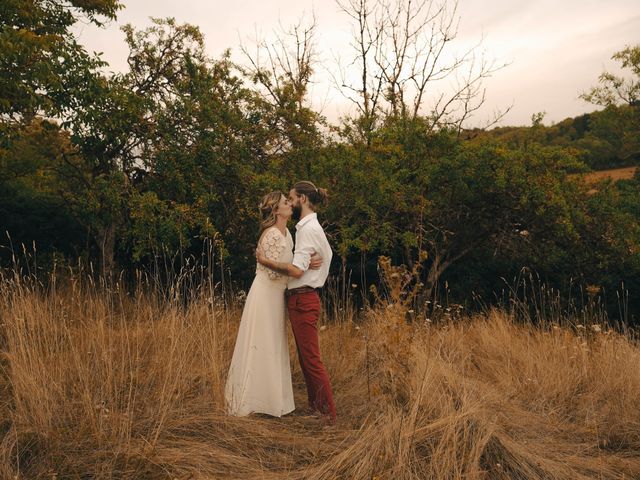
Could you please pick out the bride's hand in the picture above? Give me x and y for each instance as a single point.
(316, 262)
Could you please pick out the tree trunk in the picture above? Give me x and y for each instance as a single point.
(106, 239)
(343, 258)
(432, 278)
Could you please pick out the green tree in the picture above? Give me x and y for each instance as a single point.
(117, 128)
(620, 126)
(39, 57)
(31, 211)
(43, 72)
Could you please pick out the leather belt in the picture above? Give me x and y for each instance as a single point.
(296, 291)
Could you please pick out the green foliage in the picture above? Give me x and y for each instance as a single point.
(31, 210)
(620, 127)
(181, 147)
(613, 89)
(159, 227)
(600, 139)
(39, 57)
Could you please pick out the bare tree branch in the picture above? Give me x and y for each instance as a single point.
(403, 54)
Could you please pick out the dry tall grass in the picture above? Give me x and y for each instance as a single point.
(624, 173)
(96, 383)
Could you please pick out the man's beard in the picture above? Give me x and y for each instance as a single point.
(296, 211)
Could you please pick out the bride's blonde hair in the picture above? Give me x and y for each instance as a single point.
(268, 210)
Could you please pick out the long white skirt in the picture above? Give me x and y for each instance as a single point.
(259, 378)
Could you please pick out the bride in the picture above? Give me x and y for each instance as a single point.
(259, 379)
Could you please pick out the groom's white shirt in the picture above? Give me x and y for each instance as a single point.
(310, 239)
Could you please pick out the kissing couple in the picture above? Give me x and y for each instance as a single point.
(259, 379)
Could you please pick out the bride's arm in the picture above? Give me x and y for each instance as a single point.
(272, 244)
(288, 268)
(304, 249)
(281, 267)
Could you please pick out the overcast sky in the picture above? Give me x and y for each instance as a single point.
(555, 48)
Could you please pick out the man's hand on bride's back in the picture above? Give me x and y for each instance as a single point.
(316, 261)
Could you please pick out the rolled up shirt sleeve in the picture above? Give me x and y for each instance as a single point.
(303, 251)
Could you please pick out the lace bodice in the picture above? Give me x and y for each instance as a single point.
(276, 247)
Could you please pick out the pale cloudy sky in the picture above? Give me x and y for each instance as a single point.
(555, 48)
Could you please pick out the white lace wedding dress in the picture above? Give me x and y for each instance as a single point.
(259, 379)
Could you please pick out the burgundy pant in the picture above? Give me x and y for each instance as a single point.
(304, 310)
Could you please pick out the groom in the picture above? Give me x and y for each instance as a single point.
(303, 301)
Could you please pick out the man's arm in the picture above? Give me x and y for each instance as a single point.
(304, 251)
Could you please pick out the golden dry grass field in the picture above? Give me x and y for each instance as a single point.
(614, 174)
(98, 383)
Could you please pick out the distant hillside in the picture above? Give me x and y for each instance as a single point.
(605, 139)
